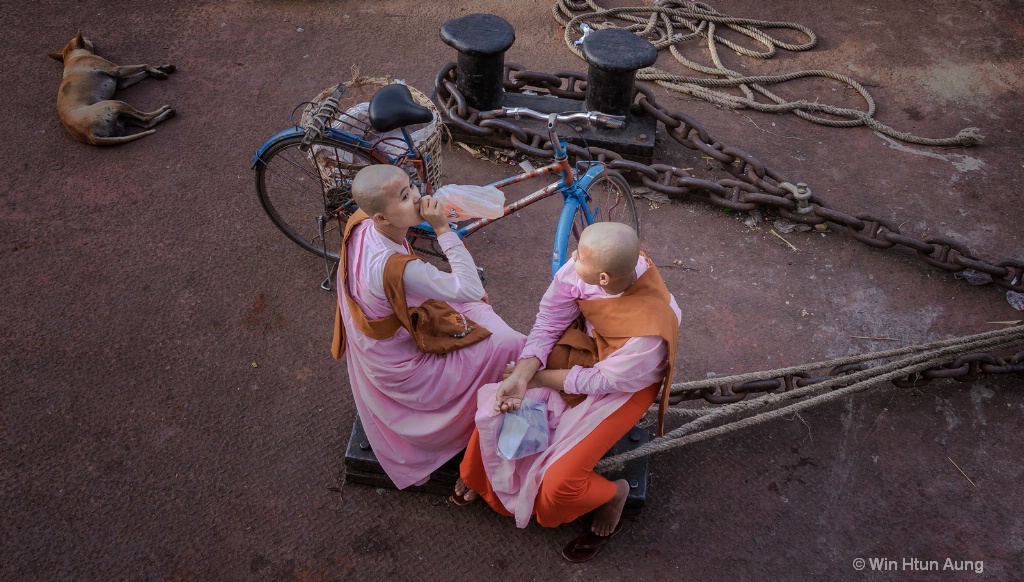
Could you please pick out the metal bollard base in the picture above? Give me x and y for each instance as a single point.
(362, 467)
(634, 142)
(635, 471)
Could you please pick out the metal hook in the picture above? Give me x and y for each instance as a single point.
(585, 29)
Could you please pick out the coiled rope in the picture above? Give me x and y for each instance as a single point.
(659, 25)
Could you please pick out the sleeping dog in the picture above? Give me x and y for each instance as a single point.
(84, 100)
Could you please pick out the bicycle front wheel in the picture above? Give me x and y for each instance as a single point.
(609, 199)
(308, 193)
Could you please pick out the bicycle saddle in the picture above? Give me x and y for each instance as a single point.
(392, 107)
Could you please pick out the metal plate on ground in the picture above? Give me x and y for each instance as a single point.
(362, 467)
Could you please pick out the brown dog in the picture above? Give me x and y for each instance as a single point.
(84, 100)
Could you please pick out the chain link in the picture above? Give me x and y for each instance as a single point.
(751, 185)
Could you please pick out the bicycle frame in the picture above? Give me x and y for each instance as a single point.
(573, 192)
(572, 187)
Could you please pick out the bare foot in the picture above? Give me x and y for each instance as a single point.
(607, 516)
(463, 494)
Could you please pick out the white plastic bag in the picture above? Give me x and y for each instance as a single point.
(524, 432)
(462, 202)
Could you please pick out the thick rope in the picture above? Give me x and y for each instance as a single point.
(898, 368)
(932, 355)
(666, 16)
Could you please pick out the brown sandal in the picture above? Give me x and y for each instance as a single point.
(460, 500)
(463, 498)
(586, 545)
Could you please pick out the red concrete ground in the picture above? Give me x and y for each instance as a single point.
(169, 409)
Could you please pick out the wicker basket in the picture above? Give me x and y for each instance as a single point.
(352, 117)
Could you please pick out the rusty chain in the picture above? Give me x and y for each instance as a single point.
(751, 186)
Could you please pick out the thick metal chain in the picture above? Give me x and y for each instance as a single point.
(966, 368)
(750, 185)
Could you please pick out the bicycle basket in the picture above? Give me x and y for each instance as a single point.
(353, 117)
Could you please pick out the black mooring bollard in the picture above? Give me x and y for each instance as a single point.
(614, 56)
(481, 40)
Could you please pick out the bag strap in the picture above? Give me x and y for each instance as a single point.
(394, 287)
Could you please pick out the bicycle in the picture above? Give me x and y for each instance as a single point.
(304, 175)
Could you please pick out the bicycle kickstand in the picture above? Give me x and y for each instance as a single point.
(331, 273)
(328, 269)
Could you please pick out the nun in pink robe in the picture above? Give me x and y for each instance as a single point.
(608, 385)
(417, 409)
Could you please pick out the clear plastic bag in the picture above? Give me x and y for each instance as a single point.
(463, 202)
(524, 432)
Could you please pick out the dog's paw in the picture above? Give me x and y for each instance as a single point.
(166, 68)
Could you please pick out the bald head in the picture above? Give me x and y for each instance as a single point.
(374, 185)
(613, 247)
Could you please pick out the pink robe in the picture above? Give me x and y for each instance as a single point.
(609, 384)
(417, 409)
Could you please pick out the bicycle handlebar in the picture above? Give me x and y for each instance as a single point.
(324, 114)
(609, 121)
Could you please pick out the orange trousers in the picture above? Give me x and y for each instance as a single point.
(570, 487)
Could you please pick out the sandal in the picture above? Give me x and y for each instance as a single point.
(460, 500)
(586, 545)
(463, 498)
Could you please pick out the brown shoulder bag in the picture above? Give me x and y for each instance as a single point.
(434, 326)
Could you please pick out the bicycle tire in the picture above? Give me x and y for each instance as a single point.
(609, 199)
(296, 188)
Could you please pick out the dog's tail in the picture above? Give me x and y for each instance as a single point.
(122, 139)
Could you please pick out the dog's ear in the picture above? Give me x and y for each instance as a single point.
(56, 55)
(80, 42)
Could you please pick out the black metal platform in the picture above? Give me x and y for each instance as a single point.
(362, 467)
(634, 142)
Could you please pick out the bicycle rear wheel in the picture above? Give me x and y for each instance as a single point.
(308, 194)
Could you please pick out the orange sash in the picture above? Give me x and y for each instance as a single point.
(378, 329)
